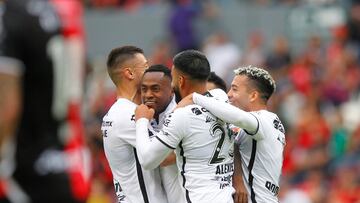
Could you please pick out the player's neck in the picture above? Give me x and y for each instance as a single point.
(198, 88)
(258, 107)
(129, 93)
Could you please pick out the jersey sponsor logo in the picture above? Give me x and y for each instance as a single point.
(209, 119)
(274, 189)
(151, 134)
(282, 140)
(224, 174)
(104, 133)
(227, 181)
(119, 192)
(196, 111)
(278, 125)
(107, 123)
(165, 133)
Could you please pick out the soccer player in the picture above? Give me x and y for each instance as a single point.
(41, 66)
(214, 81)
(204, 147)
(126, 66)
(262, 138)
(157, 93)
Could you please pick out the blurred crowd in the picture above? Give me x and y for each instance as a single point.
(317, 98)
(131, 5)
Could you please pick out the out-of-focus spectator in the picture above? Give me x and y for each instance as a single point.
(279, 58)
(45, 40)
(354, 27)
(254, 53)
(181, 24)
(223, 54)
(161, 53)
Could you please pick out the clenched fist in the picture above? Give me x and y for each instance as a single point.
(142, 111)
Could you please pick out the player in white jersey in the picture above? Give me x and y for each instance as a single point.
(204, 147)
(261, 141)
(156, 93)
(126, 66)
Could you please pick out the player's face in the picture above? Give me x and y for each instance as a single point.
(239, 94)
(175, 84)
(139, 65)
(156, 91)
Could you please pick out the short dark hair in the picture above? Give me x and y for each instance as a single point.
(193, 63)
(218, 81)
(260, 79)
(159, 68)
(119, 56)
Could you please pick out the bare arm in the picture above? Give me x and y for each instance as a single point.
(241, 195)
(10, 99)
(170, 160)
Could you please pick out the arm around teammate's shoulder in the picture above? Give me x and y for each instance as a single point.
(228, 113)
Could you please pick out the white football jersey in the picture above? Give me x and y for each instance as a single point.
(132, 183)
(262, 157)
(204, 152)
(169, 174)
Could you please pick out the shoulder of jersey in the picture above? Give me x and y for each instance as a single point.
(121, 106)
(219, 94)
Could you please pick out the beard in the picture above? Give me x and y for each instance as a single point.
(177, 95)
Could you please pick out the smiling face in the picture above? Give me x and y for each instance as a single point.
(156, 91)
(240, 93)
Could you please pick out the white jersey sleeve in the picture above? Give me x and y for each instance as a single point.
(174, 129)
(151, 152)
(230, 114)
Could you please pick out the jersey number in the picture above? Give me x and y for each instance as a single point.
(216, 130)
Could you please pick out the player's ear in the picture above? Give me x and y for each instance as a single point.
(129, 73)
(181, 81)
(254, 95)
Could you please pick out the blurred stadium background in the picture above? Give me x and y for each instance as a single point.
(312, 48)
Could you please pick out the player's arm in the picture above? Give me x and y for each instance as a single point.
(10, 96)
(150, 152)
(240, 195)
(228, 113)
(170, 160)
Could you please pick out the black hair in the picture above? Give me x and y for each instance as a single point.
(260, 79)
(121, 54)
(118, 56)
(218, 81)
(193, 63)
(159, 68)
